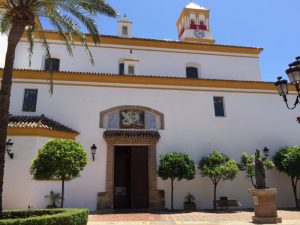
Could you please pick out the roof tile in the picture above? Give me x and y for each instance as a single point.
(37, 122)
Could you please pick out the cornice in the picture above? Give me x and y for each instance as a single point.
(41, 132)
(141, 80)
(162, 44)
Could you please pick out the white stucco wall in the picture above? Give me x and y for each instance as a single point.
(152, 61)
(252, 121)
(3, 47)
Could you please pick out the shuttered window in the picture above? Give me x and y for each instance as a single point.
(52, 64)
(131, 70)
(219, 107)
(192, 72)
(30, 99)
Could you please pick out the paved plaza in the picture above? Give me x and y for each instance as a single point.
(289, 217)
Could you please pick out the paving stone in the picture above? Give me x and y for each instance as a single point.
(289, 217)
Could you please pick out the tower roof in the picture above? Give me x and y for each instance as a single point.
(193, 5)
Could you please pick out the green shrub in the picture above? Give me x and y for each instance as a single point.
(46, 217)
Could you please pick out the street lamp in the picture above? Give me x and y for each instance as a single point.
(266, 152)
(8, 147)
(293, 73)
(93, 151)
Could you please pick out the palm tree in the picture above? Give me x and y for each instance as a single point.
(19, 17)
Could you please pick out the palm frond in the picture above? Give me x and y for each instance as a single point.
(46, 48)
(30, 31)
(5, 22)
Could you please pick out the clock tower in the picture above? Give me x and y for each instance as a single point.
(193, 24)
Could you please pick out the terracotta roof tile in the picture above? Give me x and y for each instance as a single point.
(37, 122)
(125, 133)
(140, 75)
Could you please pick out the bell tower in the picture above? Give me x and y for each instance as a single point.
(193, 24)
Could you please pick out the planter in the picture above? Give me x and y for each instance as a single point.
(189, 206)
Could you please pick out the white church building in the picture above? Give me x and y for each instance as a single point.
(142, 99)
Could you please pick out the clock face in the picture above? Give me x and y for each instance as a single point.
(199, 33)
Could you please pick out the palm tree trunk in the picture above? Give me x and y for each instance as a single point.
(14, 37)
(62, 192)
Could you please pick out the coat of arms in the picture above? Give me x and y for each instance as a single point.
(132, 119)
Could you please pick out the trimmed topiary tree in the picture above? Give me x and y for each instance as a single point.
(287, 160)
(247, 164)
(217, 166)
(59, 160)
(178, 166)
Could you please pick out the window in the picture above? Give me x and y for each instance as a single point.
(192, 22)
(121, 68)
(191, 72)
(30, 99)
(219, 106)
(124, 30)
(52, 64)
(202, 23)
(131, 69)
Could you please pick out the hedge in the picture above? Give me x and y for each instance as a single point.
(46, 217)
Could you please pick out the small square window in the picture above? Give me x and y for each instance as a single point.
(30, 99)
(219, 107)
(52, 64)
(124, 30)
(191, 72)
(131, 69)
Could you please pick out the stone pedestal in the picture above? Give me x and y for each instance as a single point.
(265, 207)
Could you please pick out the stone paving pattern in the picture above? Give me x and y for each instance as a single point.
(188, 218)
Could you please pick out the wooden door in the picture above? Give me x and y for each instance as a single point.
(139, 177)
(122, 176)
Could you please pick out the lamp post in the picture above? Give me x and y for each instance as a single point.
(8, 148)
(93, 151)
(293, 73)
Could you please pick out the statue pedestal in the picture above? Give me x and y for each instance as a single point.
(265, 207)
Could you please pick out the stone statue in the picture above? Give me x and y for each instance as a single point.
(260, 175)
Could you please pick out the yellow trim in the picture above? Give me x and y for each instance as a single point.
(200, 40)
(141, 80)
(153, 88)
(123, 21)
(40, 132)
(130, 60)
(150, 43)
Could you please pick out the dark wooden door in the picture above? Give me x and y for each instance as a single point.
(122, 177)
(131, 177)
(139, 177)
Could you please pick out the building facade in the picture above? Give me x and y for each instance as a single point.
(143, 98)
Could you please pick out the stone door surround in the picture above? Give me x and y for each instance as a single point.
(131, 137)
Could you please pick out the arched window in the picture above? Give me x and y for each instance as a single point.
(192, 70)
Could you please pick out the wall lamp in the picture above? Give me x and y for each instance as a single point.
(93, 151)
(8, 147)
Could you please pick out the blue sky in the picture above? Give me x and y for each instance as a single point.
(270, 24)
